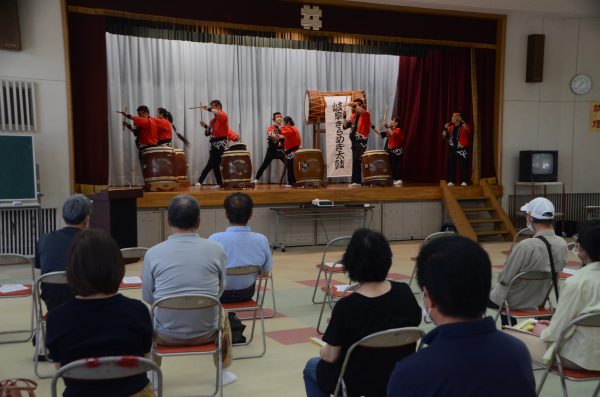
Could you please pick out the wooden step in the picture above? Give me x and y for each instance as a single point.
(472, 198)
(485, 220)
(491, 232)
(475, 209)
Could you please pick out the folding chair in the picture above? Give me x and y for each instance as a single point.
(328, 269)
(251, 305)
(332, 295)
(132, 255)
(192, 302)
(104, 368)
(391, 338)
(591, 319)
(427, 239)
(542, 311)
(13, 263)
(264, 292)
(40, 318)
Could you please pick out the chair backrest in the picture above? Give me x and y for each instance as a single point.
(590, 319)
(59, 277)
(435, 235)
(133, 254)
(186, 302)
(243, 270)
(104, 368)
(14, 259)
(391, 338)
(531, 275)
(336, 242)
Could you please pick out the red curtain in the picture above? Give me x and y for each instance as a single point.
(429, 90)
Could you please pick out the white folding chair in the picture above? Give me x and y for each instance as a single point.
(391, 338)
(542, 311)
(55, 278)
(591, 319)
(13, 264)
(426, 240)
(132, 255)
(186, 302)
(105, 368)
(328, 267)
(251, 305)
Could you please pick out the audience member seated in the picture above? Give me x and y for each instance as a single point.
(531, 254)
(52, 249)
(242, 247)
(376, 305)
(465, 355)
(186, 264)
(99, 321)
(580, 294)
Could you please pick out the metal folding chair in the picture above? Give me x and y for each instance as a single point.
(267, 279)
(104, 368)
(251, 305)
(391, 338)
(328, 267)
(542, 311)
(186, 302)
(14, 264)
(591, 319)
(40, 318)
(132, 255)
(427, 239)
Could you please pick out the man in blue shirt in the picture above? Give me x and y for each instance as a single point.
(465, 355)
(52, 250)
(242, 247)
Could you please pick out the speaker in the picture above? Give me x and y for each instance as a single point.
(535, 58)
(10, 35)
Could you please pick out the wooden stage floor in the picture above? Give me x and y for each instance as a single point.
(273, 194)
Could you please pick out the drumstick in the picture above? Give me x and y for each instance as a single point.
(124, 118)
(384, 119)
(201, 106)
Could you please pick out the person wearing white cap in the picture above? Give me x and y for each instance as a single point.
(531, 254)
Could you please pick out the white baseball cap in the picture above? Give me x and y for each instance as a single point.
(539, 208)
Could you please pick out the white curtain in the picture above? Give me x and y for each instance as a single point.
(251, 82)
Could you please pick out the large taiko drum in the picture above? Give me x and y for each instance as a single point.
(376, 167)
(314, 103)
(159, 169)
(237, 146)
(236, 168)
(308, 166)
(181, 168)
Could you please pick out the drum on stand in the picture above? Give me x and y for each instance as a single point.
(236, 169)
(159, 169)
(237, 146)
(309, 168)
(376, 170)
(181, 168)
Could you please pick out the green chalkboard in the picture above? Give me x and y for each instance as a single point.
(17, 168)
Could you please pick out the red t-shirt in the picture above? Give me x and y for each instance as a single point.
(291, 137)
(232, 136)
(147, 130)
(364, 123)
(396, 140)
(270, 131)
(165, 130)
(219, 125)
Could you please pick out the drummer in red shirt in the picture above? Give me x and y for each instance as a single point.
(360, 124)
(144, 128)
(395, 143)
(165, 129)
(291, 144)
(218, 130)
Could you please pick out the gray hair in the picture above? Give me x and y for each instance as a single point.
(183, 212)
(76, 208)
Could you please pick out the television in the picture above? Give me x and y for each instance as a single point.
(538, 166)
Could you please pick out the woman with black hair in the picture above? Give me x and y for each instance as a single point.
(377, 305)
(164, 122)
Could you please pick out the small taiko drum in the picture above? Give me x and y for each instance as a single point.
(237, 146)
(309, 167)
(159, 169)
(236, 168)
(314, 103)
(181, 168)
(376, 167)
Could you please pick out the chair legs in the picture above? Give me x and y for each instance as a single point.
(272, 297)
(258, 310)
(28, 332)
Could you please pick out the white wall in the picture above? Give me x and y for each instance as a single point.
(42, 60)
(548, 115)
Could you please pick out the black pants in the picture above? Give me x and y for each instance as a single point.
(395, 163)
(272, 154)
(503, 317)
(357, 152)
(214, 164)
(453, 157)
(289, 163)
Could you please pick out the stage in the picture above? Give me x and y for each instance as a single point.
(274, 194)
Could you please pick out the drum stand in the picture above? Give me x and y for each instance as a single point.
(239, 185)
(314, 184)
(378, 182)
(161, 186)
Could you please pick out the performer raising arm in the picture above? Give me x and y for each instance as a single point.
(217, 130)
(144, 128)
(292, 142)
(458, 134)
(394, 146)
(164, 122)
(360, 123)
(275, 149)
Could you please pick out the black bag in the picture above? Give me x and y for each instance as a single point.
(237, 329)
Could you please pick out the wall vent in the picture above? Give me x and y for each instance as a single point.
(21, 228)
(18, 106)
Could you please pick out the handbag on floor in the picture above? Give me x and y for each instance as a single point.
(17, 387)
(237, 329)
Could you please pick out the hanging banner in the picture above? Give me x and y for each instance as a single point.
(595, 117)
(339, 150)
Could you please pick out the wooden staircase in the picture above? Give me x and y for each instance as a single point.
(476, 213)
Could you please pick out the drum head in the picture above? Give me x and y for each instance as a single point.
(306, 106)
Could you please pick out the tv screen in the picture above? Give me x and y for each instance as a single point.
(538, 166)
(542, 163)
